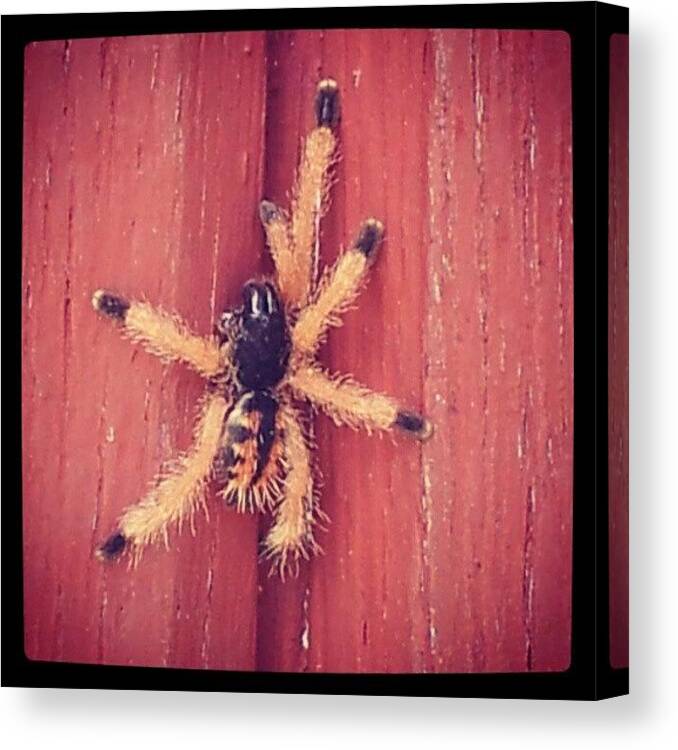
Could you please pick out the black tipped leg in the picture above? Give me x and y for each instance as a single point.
(327, 104)
(415, 424)
(113, 547)
(268, 212)
(369, 238)
(110, 304)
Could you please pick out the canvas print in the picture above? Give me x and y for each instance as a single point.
(297, 351)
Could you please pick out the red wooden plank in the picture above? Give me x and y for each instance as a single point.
(143, 176)
(499, 333)
(618, 350)
(457, 558)
(357, 608)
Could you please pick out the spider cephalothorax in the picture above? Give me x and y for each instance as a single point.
(250, 436)
(259, 337)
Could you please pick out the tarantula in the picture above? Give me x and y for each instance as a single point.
(250, 436)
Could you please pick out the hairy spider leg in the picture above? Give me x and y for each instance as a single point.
(291, 535)
(292, 241)
(178, 490)
(160, 333)
(290, 272)
(350, 403)
(338, 289)
(311, 191)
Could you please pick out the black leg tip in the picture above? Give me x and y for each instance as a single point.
(113, 547)
(109, 304)
(415, 424)
(268, 212)
(369, 238)
(327, 103)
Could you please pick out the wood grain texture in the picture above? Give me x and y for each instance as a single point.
(499, 478)
(618, 349)
(453, 556)
(142, 171)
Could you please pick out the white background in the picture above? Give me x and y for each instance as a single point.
(100, 719)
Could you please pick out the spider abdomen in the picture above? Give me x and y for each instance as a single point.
(249, 461)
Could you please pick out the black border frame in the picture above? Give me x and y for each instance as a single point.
(590, 676)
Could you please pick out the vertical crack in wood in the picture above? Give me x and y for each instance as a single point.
(529, 374)
(66, 57)
(66, 333)
(482, 260)
(154, 67)
(96, 532)
(205, 631)
(528, 575)
(425, 585)
(440, 271)
(305, 635)
(482, 255)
